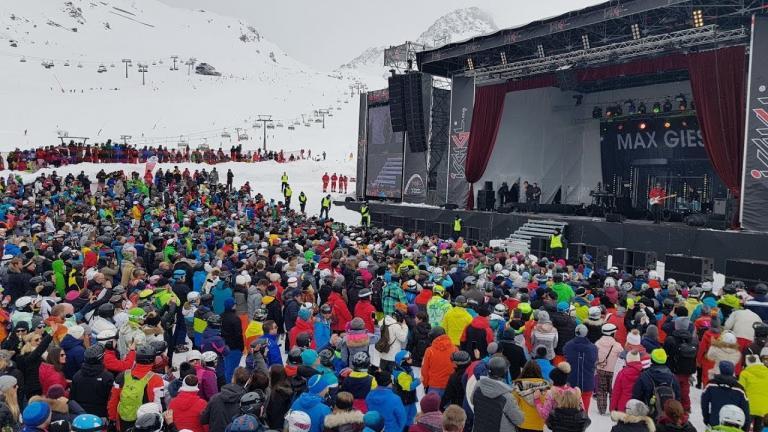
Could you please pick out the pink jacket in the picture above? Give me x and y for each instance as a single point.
(207, 382)
(622, 388)
(608, 351)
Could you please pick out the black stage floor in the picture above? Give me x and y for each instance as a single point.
(639, 235)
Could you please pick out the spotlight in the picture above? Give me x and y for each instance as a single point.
(470, 63)
(641, 109)
(682, 102)
(656, 108)
(667, 125)
(631, 108)
(698, 18)
(642, 126)
(636, 31)
(597, 112)
(667, 106)
(684, 124)
(503, 58)
(541, 51)
(585, 41)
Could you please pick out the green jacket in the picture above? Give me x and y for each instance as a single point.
(564, 292)
(59, 274)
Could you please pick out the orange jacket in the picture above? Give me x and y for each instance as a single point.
(437, 366)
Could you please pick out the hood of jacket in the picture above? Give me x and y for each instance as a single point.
(493, 388)
(526, 387)
(432, 421)
(480, 322)
(622, 417)
(442, 343)
(307, 401)
(69, 342)
(381, 396)
(92, 370)
(343, 418)
(545, 327)
(60, 405)
(231, 393)
(303, 326)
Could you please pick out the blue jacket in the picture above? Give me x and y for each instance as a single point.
(759, 305)
(546, 367)
(582, 355)
(220, 294)
(322, 333)
(314, 407)
(75, 355)
(390, 406)
(722, 390)
(273, 350)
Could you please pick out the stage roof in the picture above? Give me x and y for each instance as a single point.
(585, 37)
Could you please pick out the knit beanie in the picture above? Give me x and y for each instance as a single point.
(309, 357)
(559, 375)
(430, 403)
(636, 408)
(652, 333)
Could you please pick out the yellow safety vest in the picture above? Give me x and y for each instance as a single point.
(364, 210)
(457, 225)
(326, 203)
(288, 192)
(284, 178)
(556, 241)
(302, 198)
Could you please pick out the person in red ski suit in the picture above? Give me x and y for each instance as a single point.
(334, 178)
(326, 179)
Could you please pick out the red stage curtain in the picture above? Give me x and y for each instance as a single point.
(638, 67)
(486, 118)
(718, 82)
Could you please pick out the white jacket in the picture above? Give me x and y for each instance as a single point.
(740, 323)
(398, 337)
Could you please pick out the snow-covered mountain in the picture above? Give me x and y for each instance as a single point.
(454, 26)
(63, 73)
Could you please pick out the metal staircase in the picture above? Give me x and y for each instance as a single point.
(520, 240)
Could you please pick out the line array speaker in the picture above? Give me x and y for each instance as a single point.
(396, 103)
(413, 103)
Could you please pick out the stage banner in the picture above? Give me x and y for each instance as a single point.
(462, 104)
(384, 162)
(654, 141)
(362, 144)
(754, 189)
(415, 177)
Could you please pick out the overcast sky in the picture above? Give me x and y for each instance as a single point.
(327, 34)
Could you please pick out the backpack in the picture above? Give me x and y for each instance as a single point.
(382, 345)
(376, 286)
(685, 359)
(132, 395)
(661, 394)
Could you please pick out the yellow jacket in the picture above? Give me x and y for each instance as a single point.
(754, 379)
(454, 323)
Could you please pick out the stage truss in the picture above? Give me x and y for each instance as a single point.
(684, 39)
(402, 57)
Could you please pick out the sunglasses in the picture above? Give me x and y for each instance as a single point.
(21, 331)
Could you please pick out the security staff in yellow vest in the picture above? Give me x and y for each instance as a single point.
(283, 181)
(325, 206)
(302, 201)
(287, 193)
(556, 244)
(457, 227)
(365, 215)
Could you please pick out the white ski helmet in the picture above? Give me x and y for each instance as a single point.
(731, 415)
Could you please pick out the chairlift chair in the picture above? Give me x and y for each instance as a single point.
(225, 134)
(291, 127)
(23, 60)
(270, 126)
(257, 125)
(242, 137)
(102, 69)
(307, 124)
(112, 65)
(80, 65)
(317, 120)
(279, 125)
(66, 63)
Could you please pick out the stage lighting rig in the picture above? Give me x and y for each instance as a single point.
(585, 41)
(641, 109)
(642, 126)
(631, 107)
(540, 50)
(470, 63)
(667, 125)
(597, 112)
(682, 102)
(636, 31)
(698, 18)
(503, 58)
(656, 108)
(667, 106)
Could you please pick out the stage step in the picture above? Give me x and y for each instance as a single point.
(520, 240)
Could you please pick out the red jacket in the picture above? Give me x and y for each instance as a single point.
(300, 327)
(187, 407)
(437, 366)
(326, 178)
(50, 376)
(341, 315)
(115, 365)
(622, 388)
(365, 310)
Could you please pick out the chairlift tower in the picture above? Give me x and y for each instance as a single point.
(125, 138)
(323, 112)
(143, 68)
(127, 63)
(175, 58)
(264, 119)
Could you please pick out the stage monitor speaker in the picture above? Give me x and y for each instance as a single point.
(486, 200)
(643, 260)
(540, 246)
(622, 259)
(696, 220)
(575, 252)
(614, 217)
(396, 103)
(413, 105)
(688, 268)
(599, 255)
(488, 185)
(749, 271)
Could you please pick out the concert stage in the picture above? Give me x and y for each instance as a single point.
(667, 238)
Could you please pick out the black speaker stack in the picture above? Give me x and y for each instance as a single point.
(396, 103)
(486, 197)
(413, 105)
(540, 246)
(751, 272)
(631, 260)
(688, 268)
(598, 255)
